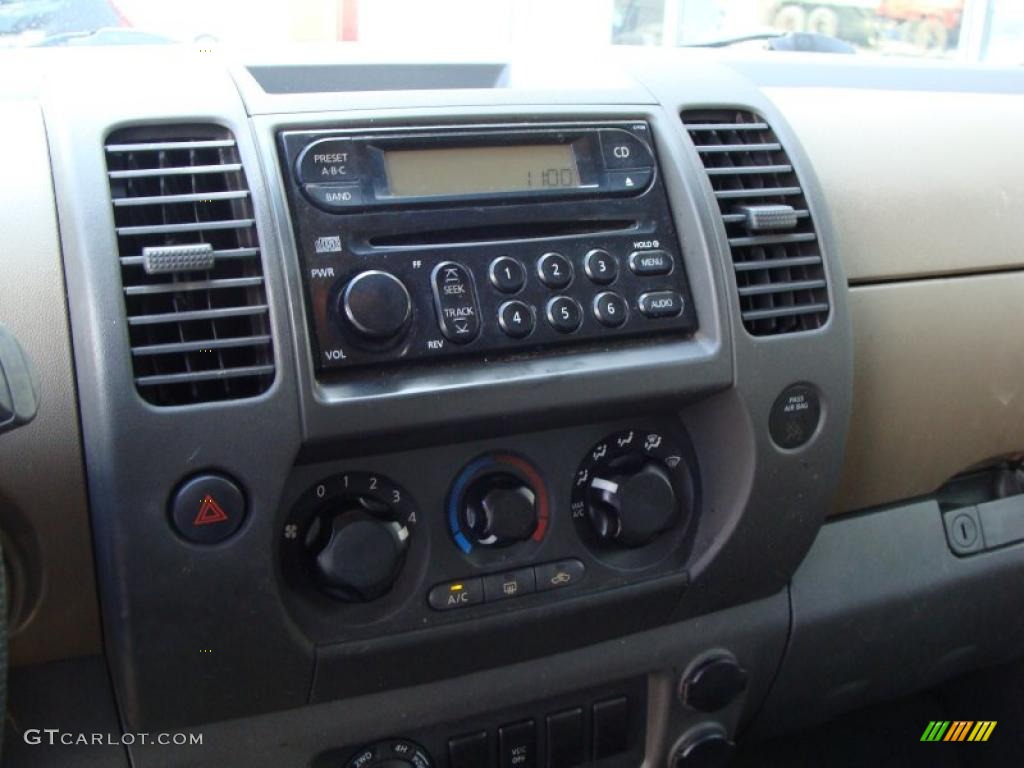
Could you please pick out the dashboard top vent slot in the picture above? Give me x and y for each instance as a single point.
(191, 269)
(776, 255)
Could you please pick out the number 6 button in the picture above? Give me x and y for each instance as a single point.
(610, 309)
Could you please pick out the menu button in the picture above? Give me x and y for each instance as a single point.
(650, 263)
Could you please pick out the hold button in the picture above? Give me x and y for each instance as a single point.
(458, 313)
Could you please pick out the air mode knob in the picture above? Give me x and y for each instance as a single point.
(375, 306)
(633, 509)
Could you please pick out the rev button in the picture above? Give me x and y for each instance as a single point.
(458, 313)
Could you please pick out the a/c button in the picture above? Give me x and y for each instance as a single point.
(456, 594)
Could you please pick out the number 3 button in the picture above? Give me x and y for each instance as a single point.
(516, 319)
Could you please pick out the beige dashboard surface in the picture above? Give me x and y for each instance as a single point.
(925, 191)
(938, 383)
(917, 183)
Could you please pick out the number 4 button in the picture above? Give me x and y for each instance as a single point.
(516, 319)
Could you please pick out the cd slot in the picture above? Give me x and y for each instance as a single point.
(493, 233)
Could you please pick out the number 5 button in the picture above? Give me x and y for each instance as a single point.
(565, 314)
(516, 319)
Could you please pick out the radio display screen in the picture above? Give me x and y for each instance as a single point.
(480, 170)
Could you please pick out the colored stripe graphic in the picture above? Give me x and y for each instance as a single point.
(958, 730)
(982, 730)
(935, 730)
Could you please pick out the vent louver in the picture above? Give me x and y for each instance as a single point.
(191, 269)
(775, 250)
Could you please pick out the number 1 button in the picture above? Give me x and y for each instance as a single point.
(507, 274)
(516, 319)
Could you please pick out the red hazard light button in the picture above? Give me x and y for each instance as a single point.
(207, 509)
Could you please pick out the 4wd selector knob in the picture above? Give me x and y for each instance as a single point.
(633, 508)
(396, 753)
(375, 305)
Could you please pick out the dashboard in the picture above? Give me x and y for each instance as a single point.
(386, 423)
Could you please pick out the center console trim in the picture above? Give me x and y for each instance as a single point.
(448, 394)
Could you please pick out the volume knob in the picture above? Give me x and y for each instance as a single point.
(376, 305)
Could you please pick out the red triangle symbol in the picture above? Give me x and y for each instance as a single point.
(209, 512)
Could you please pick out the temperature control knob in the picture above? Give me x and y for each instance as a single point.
(632, 509)
(500, 510)
(375, 306)
(498, 500)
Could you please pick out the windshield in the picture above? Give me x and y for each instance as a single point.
(968, 30)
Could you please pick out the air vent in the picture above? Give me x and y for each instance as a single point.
(191, 270)
(775, 251)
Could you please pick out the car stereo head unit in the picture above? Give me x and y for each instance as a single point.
(428, 243)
